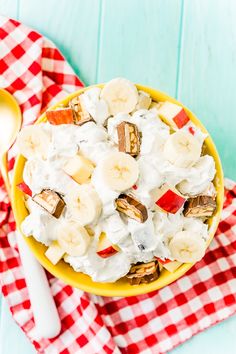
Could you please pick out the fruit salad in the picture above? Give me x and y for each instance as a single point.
(118, 185)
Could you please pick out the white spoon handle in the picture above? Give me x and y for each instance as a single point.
(47, 322)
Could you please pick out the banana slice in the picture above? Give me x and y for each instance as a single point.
(29, 170)
(33, 142)
(84, 204)
(73, 238)
(119, 171)
(39, 168)
(121, 95)
(182, 149)
(187, 247)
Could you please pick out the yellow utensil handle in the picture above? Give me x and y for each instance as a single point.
(4, 173)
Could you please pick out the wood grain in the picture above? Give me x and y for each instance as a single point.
(12, 339)
(207, 77)
(139, 40)
(9, 8)
(72, 25)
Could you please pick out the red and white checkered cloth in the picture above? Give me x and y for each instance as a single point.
(36, 73)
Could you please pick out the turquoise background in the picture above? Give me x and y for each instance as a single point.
(184, 47)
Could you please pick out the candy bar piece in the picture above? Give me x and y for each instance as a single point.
(143, 273)
(81, 115)
(174, 114)
(201, 206)
(131, 207)
(79, 168)
(204, 149)
(128, 138)
(60, 116)
(50, 201)
(169, 199)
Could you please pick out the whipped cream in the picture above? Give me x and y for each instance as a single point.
(199, 176)
(136, 241)
(95, 105)
(39, 223)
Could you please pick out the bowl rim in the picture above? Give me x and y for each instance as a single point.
(100, 288)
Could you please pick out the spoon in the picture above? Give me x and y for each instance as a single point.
(10, 123)
(47, 322)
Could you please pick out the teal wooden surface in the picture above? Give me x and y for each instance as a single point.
(186, 48)
(74, 27)
(133, 42)
(207, 71)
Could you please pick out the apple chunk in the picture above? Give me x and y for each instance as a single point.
(169, 265)
(105, 248)
(169, 199)
(174, 114)
(60, 116)
(163, 261)
(172, 266)
(54, 253)
(79, 168)
(24, 188)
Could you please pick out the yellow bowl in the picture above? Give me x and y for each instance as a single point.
(121, 287)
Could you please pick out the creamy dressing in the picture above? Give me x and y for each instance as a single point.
(137, 241)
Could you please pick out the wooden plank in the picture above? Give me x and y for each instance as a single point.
(139, 40)
(72, 25)
(9, 8)
(218, 339)
(12, 339)
(207, 71)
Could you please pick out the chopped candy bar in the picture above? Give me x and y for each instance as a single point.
(75, 105)
(81, 115)
(201, 206)
(50, 201)
(128, 138)
(204, 149)
(131, 207)
(60, 116)
(143, 273)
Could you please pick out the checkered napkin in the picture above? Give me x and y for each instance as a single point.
(36, 73)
